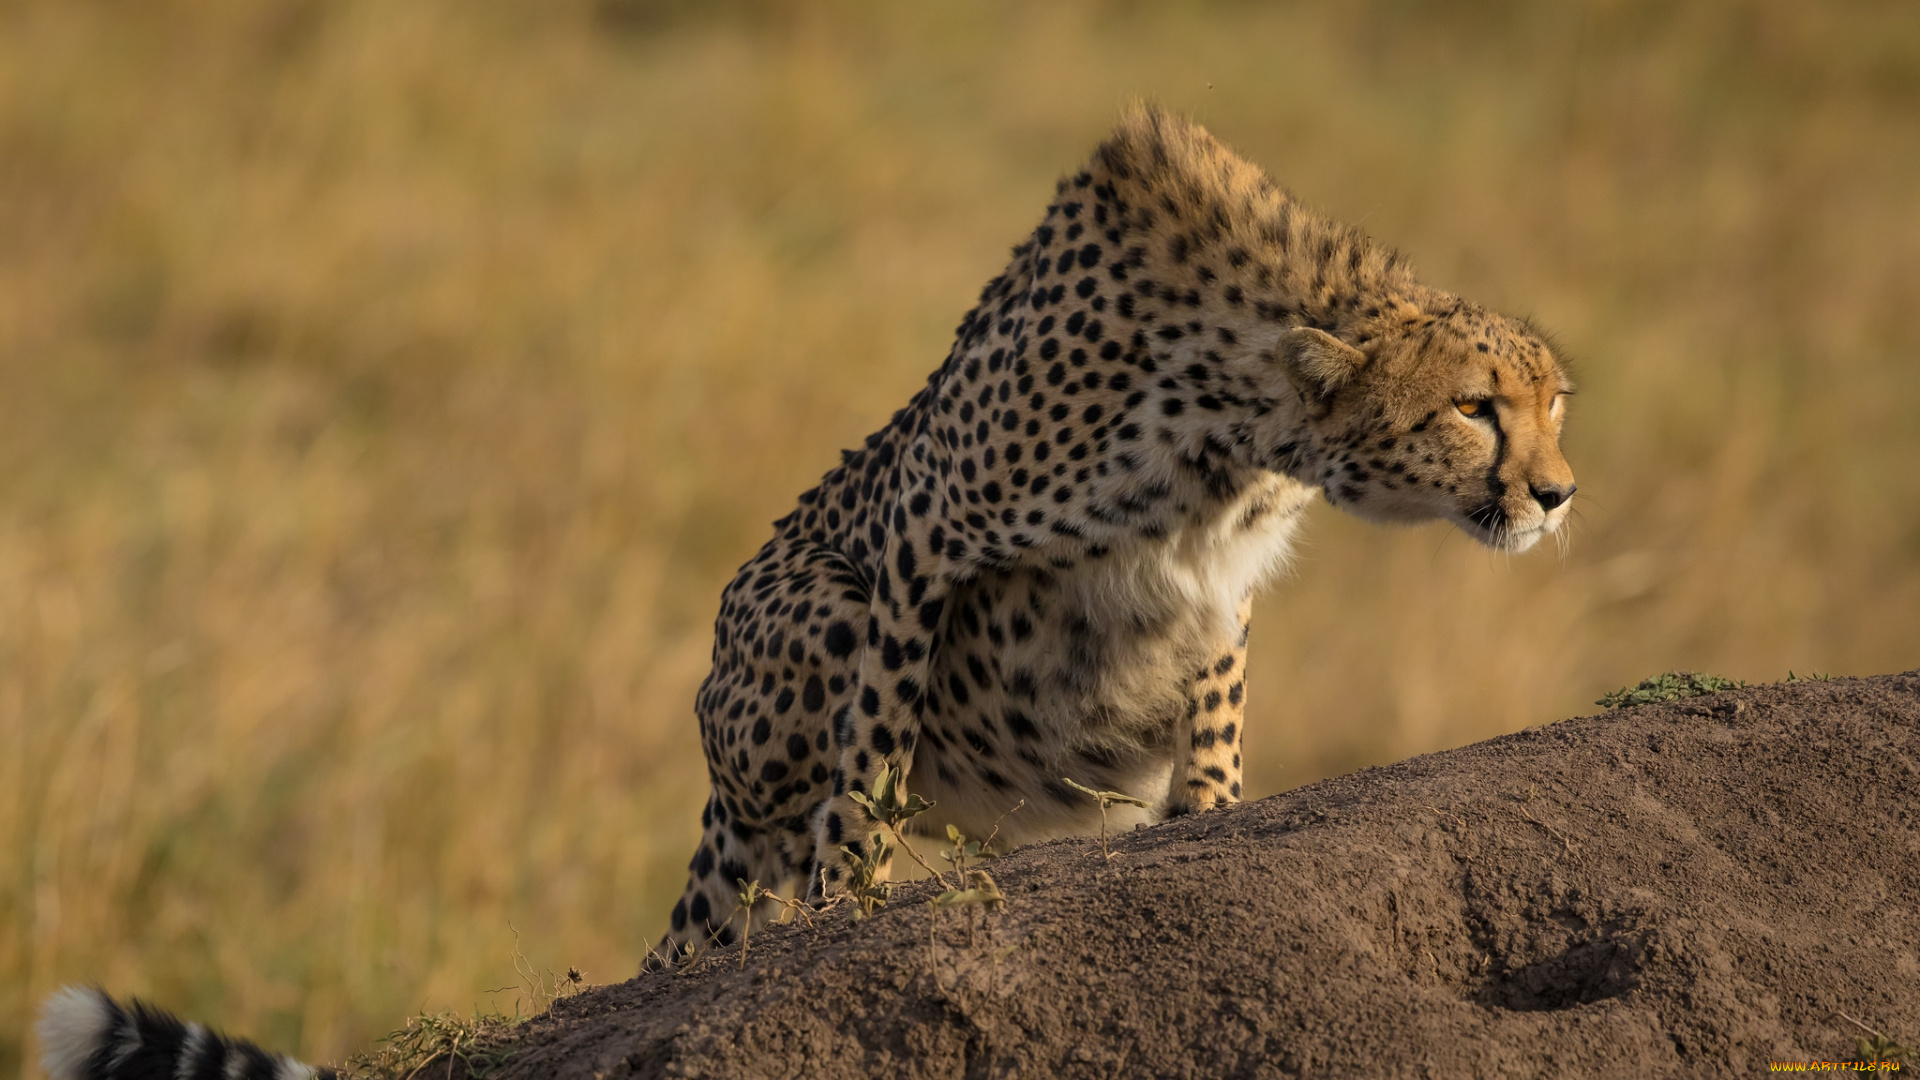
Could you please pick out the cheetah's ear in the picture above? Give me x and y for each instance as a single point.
(1317, 362)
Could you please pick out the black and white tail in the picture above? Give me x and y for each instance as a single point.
(86, 1035)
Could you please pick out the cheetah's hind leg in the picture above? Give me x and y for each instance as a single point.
(709, 911)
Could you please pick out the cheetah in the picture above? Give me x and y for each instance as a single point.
(1042, 567)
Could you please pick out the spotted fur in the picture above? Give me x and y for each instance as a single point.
(1042, 567)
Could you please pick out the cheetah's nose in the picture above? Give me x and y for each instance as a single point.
(1552, 495)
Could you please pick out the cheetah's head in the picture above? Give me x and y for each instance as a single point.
(1452, 415)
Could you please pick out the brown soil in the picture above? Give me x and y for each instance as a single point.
(1678, 889)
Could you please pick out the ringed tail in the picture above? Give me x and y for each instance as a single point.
(86, 1035)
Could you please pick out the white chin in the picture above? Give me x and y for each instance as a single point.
(1517, 542)
(1512, 541)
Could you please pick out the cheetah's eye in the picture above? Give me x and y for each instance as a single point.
(1478, 408)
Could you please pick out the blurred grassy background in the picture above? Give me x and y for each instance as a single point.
(388, 389)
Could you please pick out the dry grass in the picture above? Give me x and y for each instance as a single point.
(387, 390)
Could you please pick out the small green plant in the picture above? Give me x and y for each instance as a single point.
(981, 890)
(1816, 676)
(749, 896)
(866, 888)
(1880, 1050)
(889, 803)
(1876, 1048)
(1671, 686)
(960, 850)
(1107, 799)
(972, 886)
(978, 890)
(892, 806)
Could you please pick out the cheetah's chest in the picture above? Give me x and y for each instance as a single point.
(1084, 671)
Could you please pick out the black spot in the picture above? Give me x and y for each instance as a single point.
(762, 731)
(701, 911)
(882, 739)
(814, 695)
(979, 743)
(797, 747)
(840, 640)
(773, 771)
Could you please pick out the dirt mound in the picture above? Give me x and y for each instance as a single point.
(1711, 882)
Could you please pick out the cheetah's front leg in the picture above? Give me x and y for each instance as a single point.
(1207, 772)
